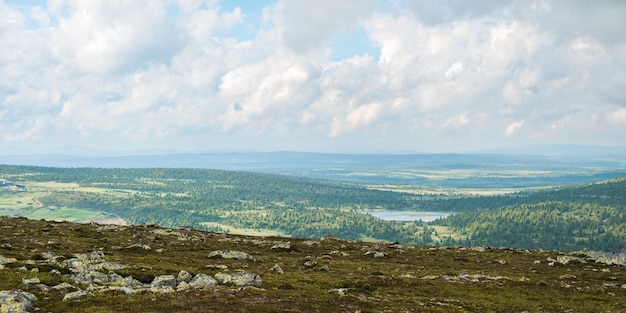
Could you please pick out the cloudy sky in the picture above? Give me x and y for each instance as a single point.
(311, 75)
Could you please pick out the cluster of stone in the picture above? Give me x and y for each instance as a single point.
(91, 274)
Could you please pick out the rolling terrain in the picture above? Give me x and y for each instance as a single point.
(566, 218)
(68, 267)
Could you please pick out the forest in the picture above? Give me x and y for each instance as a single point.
(567, 218)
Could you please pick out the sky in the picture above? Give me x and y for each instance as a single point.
(311, 75)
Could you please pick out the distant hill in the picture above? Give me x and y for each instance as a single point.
(567, 218)
(505, 170)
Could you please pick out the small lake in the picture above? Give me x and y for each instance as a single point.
(408, 216)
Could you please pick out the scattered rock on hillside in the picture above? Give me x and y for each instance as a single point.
(282, 246)
(164, 281)
(202, 280)
(17, 301)
(246, 279)
(4, 260)
(608, 258)
(75, 295)
(566, 259)
(183, 276)
(377, 254)
(227, 254)
(276, 269)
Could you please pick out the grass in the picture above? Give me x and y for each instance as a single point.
(390, 284)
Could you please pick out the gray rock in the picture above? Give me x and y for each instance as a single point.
(164, 281)
(340, 253)
(4, 260)
(246, 279)
(63, 286)
(339, 291)
(28, 281)
(282, 246)
(129, 281)
(17, 301)
(325, 268)
(202, 280)
(223, 278)
(310, 263)
(121, 289)
(430, 277)
(310, 243)
(608, 258)
(183, 285)
(566, 259)
(183, 276)
(226, 254)
(217, 267)
(276, 269)
(377, 254)
(75, 295)
(567, 276)
(49, 256)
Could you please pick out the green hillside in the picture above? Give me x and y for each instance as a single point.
(568, 218)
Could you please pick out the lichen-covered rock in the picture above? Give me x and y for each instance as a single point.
(28, 281)
(183, 276)
(608, 258)
(223, 278)
(276, 269)
(202, 280)
(16, 301)
(227, 254)
(566, 259)
(246, 279)
(282, 246)
(75, 295)
(4, 260)
(164, 281)
(63, 286)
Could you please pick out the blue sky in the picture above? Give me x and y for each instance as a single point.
(328, 76)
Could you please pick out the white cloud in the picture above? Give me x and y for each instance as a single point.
(618, 117)
(450, 73)
(308, 24)
(103, 37)
(513, 127)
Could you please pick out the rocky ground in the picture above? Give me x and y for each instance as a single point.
(66, 267)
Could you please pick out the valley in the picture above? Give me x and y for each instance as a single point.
(456, 209)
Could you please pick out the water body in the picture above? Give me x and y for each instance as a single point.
(408, 216)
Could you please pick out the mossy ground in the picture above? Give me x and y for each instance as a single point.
(399, 282)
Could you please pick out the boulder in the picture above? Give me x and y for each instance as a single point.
(282, 246)
(227, 254)
(183, 276)
(17, 301)
(164, 281)
(4, 260)
(75, 295)
(566, 259)
(276, 269)
(223, 278)
(246, 279)
(63, 287)
(202, 280)
(29, 281)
